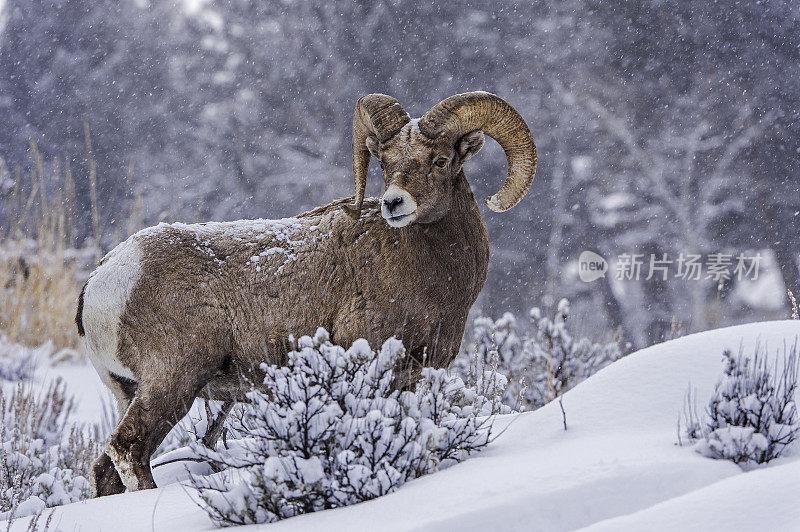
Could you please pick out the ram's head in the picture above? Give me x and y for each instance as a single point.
(422, 159)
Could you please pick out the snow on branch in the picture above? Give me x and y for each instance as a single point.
(795, 308)
(45, 457)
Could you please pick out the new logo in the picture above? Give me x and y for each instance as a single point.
(591, 266)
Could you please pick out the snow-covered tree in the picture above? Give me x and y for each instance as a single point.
(102, 64)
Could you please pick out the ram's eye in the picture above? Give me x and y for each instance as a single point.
(441, 162)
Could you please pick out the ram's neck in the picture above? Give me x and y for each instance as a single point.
(459, 240)
(465, 208)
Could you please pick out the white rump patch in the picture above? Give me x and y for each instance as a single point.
(104, 300)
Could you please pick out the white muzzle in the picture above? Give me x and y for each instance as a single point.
(398, 207)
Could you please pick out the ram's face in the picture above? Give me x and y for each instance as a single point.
(420, 173)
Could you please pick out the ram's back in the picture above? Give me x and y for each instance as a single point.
(238, 287)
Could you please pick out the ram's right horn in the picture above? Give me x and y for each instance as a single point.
(460, 114)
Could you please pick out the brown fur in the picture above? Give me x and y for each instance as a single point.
(203, 315)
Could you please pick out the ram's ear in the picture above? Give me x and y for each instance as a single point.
(372, 146)
(470, 144)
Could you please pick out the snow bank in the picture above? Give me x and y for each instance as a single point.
(765, 499)
(617, 467)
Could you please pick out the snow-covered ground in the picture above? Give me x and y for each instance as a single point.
(616, 467)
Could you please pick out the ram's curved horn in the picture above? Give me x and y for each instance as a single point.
(376, 115)
(460, 114)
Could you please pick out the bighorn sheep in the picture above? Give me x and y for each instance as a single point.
(183, 311)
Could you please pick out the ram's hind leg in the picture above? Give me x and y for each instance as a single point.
(160, 402)
(104, 478)
(216, 423)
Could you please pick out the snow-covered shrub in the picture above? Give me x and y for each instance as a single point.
(496, 345)
(44, 459)
(498, 337)
(561, 361)
(752, 415)
(183, 434)
(328, 430)
(14, 365)
(541, 364)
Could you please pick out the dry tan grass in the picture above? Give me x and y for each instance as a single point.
(39, 301)
(41, 271)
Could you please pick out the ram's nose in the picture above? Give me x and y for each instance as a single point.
(398, 206)
(392, 203)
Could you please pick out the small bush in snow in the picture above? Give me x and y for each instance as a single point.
(561, 361)
(328, 430)
(17, 361)
(43, 463)
(540, 365)
(752, 415)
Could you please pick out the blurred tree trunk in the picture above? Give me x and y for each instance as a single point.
(657, 299)
(781, 236)
(614, 311)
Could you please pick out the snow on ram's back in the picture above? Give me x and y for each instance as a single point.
(617, 466)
